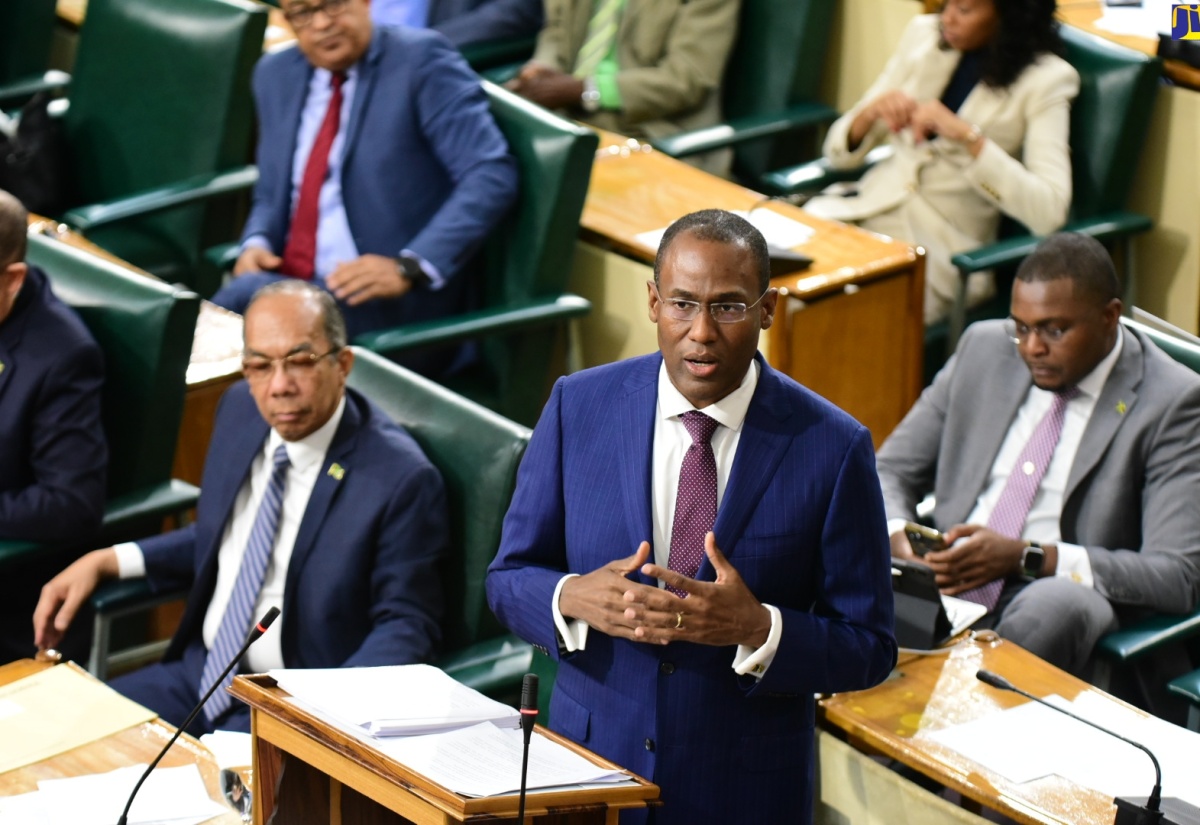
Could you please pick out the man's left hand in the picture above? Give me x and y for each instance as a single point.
(367, 278)
(551, 88)
(981, 556)
(722, 612)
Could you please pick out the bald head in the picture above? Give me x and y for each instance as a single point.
(14, 220)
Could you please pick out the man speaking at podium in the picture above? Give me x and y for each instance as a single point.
(700, 542)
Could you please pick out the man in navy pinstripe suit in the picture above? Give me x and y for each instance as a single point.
(708, 694)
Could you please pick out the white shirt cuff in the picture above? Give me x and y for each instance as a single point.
(1074, 564)
(755, 662)
(573, 632)
(131, 564)
(896, 525)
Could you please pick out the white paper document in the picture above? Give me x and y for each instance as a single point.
(231, 748)
(169, 795)
(484, 760)
(1148, 20)
(1031, 741)
(393, 701)
(779, 230)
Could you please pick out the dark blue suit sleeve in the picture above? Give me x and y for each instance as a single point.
(170, 559)
(493, 20)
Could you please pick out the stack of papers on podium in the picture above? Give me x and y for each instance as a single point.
(399, 700)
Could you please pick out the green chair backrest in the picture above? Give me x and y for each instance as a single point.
(26, 27)
(529, 253)
(160, 93)
(1109, 119)
(1185, 352)
(776, 61)
(145, 330)
(477, 452)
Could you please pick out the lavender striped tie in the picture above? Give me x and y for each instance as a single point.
(696, 500)
(1012, 508)
(240, 610)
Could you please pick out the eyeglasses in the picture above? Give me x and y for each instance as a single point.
(724, 312)
(1049, 333)
(295, 365)
(301, 14)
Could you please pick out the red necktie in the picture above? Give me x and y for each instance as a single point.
(301, 249)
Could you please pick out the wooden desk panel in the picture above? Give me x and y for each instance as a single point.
(928, 693)
(848, 328)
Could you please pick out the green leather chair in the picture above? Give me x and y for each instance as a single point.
(477, 453)
(528, 260)
(1125, 647)
(158, 124)
(770, 88)
(145, 330)
(1188, 686)
(1109, 120)
(26, 29)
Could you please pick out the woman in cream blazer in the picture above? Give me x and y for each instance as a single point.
(951, 175)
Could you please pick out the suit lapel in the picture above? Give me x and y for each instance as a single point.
(243, 446)
(1116, 399)
(363, 87)
(7, 365)
(636, 414)
(293, 93)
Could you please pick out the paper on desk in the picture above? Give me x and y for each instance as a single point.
(58, 709)
(484, 760)
(395, 700)
(1149, 20)
(231, 748)
(169, 795)
(779, 230)
(1031, 741)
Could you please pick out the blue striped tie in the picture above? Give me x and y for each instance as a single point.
(240, 610)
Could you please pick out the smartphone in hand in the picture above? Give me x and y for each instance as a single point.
(922, 539)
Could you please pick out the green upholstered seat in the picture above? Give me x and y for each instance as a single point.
(477, 453)
(522, 299)
(1188, 686)
(159, 121)
(26, 28)
(770, 88)
(145, 330)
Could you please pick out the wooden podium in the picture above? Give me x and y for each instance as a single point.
(307, 771)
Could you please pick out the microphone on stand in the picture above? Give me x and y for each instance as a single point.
(529, 712)
(1129, 811)
(251, 637)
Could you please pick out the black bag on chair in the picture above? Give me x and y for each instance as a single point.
(32, 162)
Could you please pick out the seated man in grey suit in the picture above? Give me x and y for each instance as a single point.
(1061, 448)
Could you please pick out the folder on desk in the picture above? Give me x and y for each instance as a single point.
(924, 617)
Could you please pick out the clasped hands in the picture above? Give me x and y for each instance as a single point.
(546, 86)
(363, 279)
(899, 111)
(722, 612)
(981, 556)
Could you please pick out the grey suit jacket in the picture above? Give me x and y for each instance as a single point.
(1133, 493)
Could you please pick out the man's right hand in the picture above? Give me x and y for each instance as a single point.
(62, 595)
(256, 259)
(598, 598)
(893, 107)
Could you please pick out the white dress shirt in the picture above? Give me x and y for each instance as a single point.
(307, 459)
(671, 442)
(1043, 522)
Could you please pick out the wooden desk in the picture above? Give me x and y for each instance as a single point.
(136, 745)
(848, 328)
(310, 772)
(72, 13)
(928, 693)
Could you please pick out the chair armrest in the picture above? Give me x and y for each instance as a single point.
(156, 501)
(475, 324)
(12, 549)
(30, 86)
(117, 596)
(1010, 250)
(223, 256)
(740, 130)
(1152, 633)
(492, 666)
(192, 190)
(817, 174)
(492, 53)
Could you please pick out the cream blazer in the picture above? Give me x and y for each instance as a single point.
(1023, 171)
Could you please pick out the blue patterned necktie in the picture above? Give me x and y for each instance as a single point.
(240, 610)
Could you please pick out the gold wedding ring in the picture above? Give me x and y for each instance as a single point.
(679, 621)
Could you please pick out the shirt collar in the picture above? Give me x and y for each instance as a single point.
(1093, 383)
(312, 448)
(729, 412)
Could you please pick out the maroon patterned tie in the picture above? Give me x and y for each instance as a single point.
(696, 501)
(300, 254)
(1012, 508)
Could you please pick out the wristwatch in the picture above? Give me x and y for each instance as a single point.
(1033, 559)
(410, 268)
(590, 99)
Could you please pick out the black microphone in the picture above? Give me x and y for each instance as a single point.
(251, 637)
(1129, 812)
(529, 713)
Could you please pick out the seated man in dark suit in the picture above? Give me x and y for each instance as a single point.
(313, 500)
(1061, 448)
(381, 169)
(463, 21)
(53, 455)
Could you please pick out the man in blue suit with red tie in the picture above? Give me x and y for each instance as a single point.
(700, 542)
